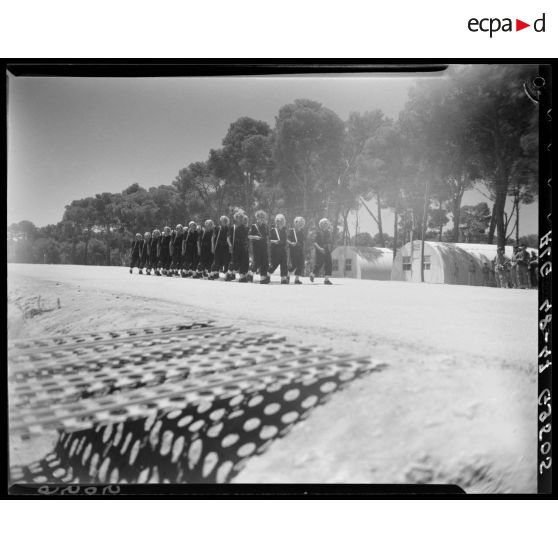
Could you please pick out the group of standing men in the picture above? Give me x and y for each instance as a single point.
(519, 272)
(207, 251)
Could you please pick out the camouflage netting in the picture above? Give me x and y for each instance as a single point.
(181, 404)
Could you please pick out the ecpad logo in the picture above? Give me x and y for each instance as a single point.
(493, 25)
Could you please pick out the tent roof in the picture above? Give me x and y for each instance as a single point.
(370, 252)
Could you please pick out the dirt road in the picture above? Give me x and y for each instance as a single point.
(457, 402)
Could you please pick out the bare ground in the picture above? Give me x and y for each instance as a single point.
(456, 403)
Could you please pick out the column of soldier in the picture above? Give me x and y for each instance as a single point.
(209, 250)
(518, 272)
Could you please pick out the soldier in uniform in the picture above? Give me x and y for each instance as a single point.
(221, 251)
(295, 239)
(206, 249)
(144, 257)
(259, 235)
(190, 248)
(176, 250)
(164, 252)
(323, 245)
(154, 252)
(135, 253)
(238, 245)
(278, 241)
(500, 264)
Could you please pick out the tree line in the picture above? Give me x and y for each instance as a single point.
(472, 128)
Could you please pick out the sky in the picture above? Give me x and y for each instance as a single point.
(69, 138)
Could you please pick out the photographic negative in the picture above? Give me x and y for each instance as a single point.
(266, 279)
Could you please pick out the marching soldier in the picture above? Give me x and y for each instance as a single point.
(295, 239)
(190, 248)
(238, 245)
(135, 253)
(164, 252)
(259, 235)
(221, 250)
(323, 244)
(154, 252)
(144, 256)
(206, 249)
(176, 250)
(278, 241)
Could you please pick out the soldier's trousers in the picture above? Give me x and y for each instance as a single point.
(164, 260)
(297, 259)
(278, 259)
(176, 260)
(206, 259)
(191, 258)
(240, 260)
(135, 259)
(260, 260)
(153, 262)
(221, 258)
(323, 259)
(144, 260)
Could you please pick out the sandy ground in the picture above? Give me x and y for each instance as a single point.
(456, 403)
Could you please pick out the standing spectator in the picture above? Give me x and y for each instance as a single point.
(534, 270)
(455, 273)
(472, 272)
(522, 268)
(513, 268)
(485, 274)
(500, 263)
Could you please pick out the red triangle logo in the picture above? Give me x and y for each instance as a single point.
(519, 25)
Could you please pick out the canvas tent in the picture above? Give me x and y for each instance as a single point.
(444, 262)
(362, 262)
